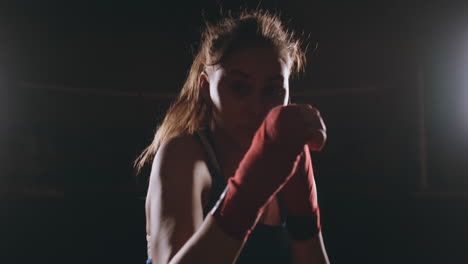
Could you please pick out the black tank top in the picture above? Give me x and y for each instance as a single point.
(266, 243)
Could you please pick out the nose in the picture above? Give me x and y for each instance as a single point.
(258, 108)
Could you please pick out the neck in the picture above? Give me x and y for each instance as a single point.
(228, 143)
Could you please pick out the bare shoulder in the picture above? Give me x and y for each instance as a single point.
(179, 177)
(174, 208)
(177, 161)
(187, 145)
(179, 147)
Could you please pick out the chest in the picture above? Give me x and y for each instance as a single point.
(271, 214)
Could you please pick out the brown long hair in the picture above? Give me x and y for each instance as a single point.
(189, 112)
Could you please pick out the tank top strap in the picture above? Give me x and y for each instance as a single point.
(205, 137)
(217, 176)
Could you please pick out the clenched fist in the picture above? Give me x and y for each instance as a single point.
(297, 125)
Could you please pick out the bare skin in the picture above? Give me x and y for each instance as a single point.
(241, 92)
(229, 158)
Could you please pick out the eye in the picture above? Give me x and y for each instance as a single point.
(275, 90)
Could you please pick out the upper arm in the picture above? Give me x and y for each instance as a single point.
(173, 205)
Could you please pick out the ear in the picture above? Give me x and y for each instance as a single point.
(204, 84)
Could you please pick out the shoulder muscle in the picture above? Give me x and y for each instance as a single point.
(173, 205)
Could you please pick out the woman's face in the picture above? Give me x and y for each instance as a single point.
(245, 87)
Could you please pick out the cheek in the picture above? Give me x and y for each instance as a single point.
(286, 99)
(215, 98)
(271, 102)
(279, 100)
(228, 108)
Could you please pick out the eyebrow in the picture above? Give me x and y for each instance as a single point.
(248, 76)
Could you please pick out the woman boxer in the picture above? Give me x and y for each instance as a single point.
(231, 178)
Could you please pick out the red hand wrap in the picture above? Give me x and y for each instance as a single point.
(300, 199)
(269, 162)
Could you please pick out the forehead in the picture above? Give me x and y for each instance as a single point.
(259, 62)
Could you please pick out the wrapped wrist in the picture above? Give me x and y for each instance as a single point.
(302, 227)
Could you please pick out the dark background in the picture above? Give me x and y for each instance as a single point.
(84, 84)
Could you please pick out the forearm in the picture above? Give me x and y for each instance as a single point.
(209, 244)
(311, 251)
